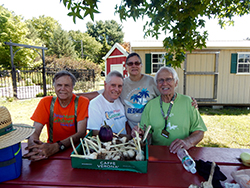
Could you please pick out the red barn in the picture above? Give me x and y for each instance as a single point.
(115, 59)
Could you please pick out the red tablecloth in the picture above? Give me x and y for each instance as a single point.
(164, 170)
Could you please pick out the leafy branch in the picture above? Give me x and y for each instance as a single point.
(182, 21)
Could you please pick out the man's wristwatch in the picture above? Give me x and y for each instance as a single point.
(61, 146)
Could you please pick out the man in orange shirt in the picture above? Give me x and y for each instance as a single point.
(61, 117)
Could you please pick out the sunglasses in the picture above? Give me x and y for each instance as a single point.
(132, 63)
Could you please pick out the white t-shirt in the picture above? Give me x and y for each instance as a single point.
(113, 113)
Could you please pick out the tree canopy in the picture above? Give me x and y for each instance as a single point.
(107, 33)
(85, 45)
(44, 27)
(12, 28)
(182, 20)
(109, 29)
(47, 31)
(61, 45)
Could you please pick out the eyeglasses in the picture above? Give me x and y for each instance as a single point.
(132, 63)
(168, 80)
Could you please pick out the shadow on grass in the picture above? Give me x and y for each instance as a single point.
(225, 111)
(209, 143)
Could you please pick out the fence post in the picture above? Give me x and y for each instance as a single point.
(44, 75)
(93, 76)
(13, 72)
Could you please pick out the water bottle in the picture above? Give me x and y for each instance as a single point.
(187, 161)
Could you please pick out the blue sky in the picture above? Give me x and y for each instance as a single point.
(133, 30)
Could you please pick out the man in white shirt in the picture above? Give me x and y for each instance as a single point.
(108, 107)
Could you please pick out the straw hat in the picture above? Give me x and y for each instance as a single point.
(11, 134)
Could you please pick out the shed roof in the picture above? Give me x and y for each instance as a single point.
(222, 44)
(119, 47)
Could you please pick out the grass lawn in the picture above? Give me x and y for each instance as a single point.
(22, 110)
(227, 127)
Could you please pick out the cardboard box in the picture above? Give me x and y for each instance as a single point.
(101, 164)
(10, 162)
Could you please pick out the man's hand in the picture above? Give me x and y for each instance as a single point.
(177, 144)
(192, 140)
(34, 152)
(40, 150)
(139, 130)
(194, 103)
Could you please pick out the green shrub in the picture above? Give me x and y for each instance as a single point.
(67, 62)
(39, 95)
(28, 82)
(102, 65)
(83, 87)
(10, 99)
(49, 93)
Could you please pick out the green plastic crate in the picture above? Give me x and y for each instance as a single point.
(101, 164)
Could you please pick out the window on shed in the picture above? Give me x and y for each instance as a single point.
(158, 60)
(240, 62)
(243, 63)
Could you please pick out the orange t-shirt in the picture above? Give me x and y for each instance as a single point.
(63, 118)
